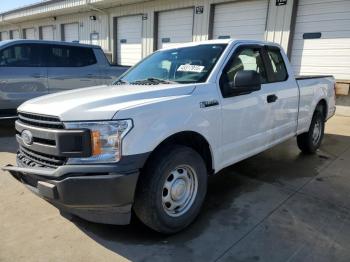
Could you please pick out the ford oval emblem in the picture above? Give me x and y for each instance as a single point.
(27, 137)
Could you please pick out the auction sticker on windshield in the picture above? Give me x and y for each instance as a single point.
(191, 68)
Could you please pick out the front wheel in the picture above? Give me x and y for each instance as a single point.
(310, 141)
(171, 190)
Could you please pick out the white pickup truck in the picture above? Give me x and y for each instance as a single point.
(149, 142)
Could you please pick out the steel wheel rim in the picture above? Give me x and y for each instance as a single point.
(316, 134)
(179, 191)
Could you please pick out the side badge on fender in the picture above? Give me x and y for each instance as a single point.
(205, 104)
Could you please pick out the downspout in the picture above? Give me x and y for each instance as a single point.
(292, 28)
(91, 6)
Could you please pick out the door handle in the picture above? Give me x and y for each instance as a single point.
(271, 98)
(90, 75)
(37, 76)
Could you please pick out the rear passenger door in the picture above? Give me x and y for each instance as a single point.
(71, 67)
(23, 74)
(284, 106)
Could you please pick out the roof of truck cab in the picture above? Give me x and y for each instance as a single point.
(27, 41)
(220, 41)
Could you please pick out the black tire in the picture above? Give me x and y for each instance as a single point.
(149, 205)
(306, 141)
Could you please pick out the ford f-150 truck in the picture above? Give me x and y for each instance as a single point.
(148, 142)
(32, 68)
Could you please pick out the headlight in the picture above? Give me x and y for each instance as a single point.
(106, 140)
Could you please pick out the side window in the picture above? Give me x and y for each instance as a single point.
(86, 56)
(71, 56)
(279, 70)
(21, 56)
(246, 59)
(58, 56)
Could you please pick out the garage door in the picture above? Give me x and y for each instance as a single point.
(175, 27)
(14, 34)
(241, 20)
(321, 41)
(71, 32)
(4, 36)
(129, 40)
(29, 33)
(47, 33)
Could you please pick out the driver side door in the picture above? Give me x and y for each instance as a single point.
(246, 117)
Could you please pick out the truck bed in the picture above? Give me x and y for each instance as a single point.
(304, 77)
(308, 87)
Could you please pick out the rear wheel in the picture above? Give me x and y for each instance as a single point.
(171, 189)
(310, 141)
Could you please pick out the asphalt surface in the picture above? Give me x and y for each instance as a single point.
(280, 205)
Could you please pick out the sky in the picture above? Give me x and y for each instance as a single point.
(6, 5)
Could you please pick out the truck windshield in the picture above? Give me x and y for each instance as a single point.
(181, 65)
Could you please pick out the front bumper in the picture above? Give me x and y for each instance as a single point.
(94, 193)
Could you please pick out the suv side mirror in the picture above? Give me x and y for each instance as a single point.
(245, 82)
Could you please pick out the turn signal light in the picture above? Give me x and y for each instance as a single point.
(96, 143)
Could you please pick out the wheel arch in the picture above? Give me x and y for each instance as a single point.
(324, 105)
(191, 139)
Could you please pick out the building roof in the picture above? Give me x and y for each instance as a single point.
(52, 8)
(24, 7)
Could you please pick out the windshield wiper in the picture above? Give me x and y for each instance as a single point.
(120, 82)
(152, 81)
(162, 81)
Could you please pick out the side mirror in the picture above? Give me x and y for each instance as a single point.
(245, 81)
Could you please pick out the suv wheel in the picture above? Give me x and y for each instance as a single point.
(171, 189)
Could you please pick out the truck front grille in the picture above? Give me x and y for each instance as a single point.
(31, 158)
(48, 143)
(40, 121)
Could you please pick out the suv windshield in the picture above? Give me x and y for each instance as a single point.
(181, 65)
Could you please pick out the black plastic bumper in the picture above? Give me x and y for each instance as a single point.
(102, 197)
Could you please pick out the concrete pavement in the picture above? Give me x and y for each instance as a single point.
(280, 205)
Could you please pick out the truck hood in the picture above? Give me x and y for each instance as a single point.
(101, 102)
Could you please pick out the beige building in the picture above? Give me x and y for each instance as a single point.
(315, 33)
